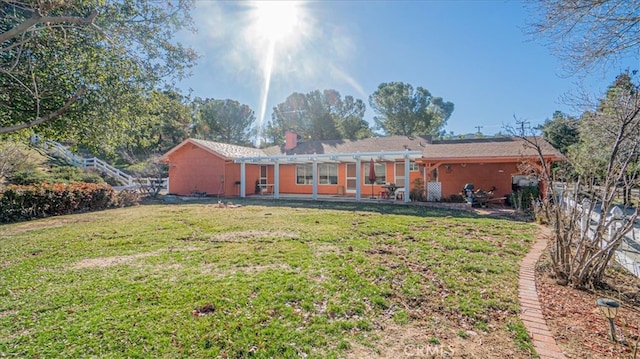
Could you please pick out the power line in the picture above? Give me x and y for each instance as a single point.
(522, 125)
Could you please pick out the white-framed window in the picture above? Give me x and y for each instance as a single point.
(263, 174)
(399, 179)
(327, 173)
(381, 172)
(304, 174)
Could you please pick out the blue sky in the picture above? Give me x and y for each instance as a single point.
(472, 53)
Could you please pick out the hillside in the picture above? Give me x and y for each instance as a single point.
(21, 163)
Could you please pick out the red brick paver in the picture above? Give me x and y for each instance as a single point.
(531, 312)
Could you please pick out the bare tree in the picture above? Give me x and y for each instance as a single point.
(150, 176)
(587, 33)
(589, 218)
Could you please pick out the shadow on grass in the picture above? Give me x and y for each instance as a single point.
(375, 207)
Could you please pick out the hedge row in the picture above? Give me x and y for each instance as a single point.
(20, 203)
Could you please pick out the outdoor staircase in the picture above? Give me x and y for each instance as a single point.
(58, 150)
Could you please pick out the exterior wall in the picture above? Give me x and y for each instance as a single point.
(194, 170)
(232, 179)
(288, 183)
(483, 176)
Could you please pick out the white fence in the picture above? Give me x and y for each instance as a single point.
(100, 165)
(127, 181)
(628, 253)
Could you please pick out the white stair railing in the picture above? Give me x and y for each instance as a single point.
(100, 165)
(59, 150)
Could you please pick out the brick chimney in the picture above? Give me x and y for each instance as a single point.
(290, 140)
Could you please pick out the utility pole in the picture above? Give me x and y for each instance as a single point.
(522, 125)
(478, 127)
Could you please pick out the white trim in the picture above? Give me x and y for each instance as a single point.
(314, 159)
(276, 180)
(314, 171)
(334, 157)
(348, 178)
(358, 180)
(407, 177)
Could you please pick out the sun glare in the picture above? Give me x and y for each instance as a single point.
(275, 20)
(276, 28)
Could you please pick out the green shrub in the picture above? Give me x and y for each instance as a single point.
(69, 174)
(19, 203)
(524, 198)
(90, 176)
(108, 179)
(417, 192)
(27, 177)
(65, 174)
(62, 174)
(127, 198)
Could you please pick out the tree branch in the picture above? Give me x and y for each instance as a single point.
(50, 116)
(37, 19)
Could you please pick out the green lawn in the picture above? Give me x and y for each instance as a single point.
(194, 280)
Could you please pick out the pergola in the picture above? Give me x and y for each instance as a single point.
(314, 159)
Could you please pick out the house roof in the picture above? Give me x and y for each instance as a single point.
(489, 148)
(230, 151)
(440, 150)
(376, 144)
(225, 150)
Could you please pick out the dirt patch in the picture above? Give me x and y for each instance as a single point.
(48, 223)
(244, 236)
(221, 204)
(7, 313)
(20, 334)
(32, 226)
(579, 327)
(102, 262)
(320, 249)
(224, 272)
(414, 341)
(201, 311)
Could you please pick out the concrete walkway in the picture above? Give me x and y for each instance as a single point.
(531, 312)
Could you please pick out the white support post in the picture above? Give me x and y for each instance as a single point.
(358, 178)
(276, 180)
(315, 178)
(407, 184)
(243, 191)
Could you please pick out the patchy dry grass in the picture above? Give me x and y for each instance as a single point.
(276, 281)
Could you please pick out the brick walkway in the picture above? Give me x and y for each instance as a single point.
(531, 312)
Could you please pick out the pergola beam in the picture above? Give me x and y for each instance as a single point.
(314, 159)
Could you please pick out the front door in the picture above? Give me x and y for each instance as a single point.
(351, 178)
